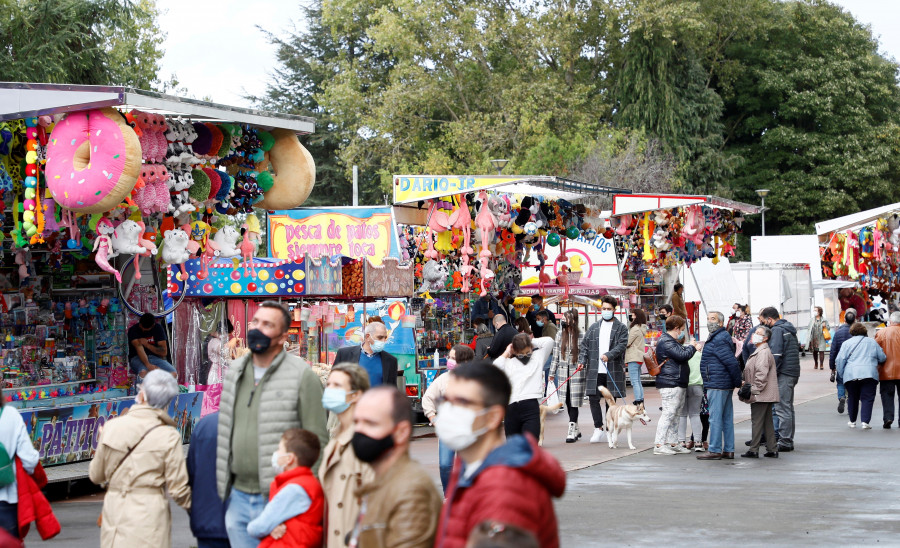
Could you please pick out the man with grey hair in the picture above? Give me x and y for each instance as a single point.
(721, 375)
(140, 456)
(889, 372)
(840, 336)
(265, 392)
(381, 366)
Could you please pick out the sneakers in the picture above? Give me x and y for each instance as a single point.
(841, 403)
(574, 434)
(851, 424)
(865, 426)
(887, 425)
(663, 450)
(598, 436)
(698, 448)
(680, 449)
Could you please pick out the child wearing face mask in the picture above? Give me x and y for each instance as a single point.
(293, 516)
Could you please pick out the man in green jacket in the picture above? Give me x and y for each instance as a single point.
(264, 393)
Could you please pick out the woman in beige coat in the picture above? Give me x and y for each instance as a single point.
(340, 472)
(761, 375)
(135, 509)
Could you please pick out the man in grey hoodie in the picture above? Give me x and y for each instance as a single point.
(786, 349)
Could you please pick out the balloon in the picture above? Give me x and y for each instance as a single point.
(553, 239)
(572, 232)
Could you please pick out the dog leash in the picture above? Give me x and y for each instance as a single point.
(579, 368)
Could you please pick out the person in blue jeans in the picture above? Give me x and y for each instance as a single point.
(458, 354)
(634, 352)
(148, 347)
(840, 336)
(721, 375)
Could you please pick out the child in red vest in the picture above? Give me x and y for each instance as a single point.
(293, 516)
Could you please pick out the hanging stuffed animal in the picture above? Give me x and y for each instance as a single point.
(248, 249)
(146, 244)
(104, 249)
(487, 276)
(461, 219)
(226, 239)
(175, 251)
(486, 223)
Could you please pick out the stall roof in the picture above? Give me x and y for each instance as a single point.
(855, 220)
(410, 189)
(834, 284)
(23, 100)
(639, 203)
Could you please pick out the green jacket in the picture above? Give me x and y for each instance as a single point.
(289, 396)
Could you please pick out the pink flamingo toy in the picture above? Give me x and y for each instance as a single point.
(148, 245)
(487, 223)
(462, 220)
(248, 247)
(210, 252)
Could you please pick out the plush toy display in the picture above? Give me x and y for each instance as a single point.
(295, 172)
(226, 240)
(126, 239)
(174, 251)
(104, 248)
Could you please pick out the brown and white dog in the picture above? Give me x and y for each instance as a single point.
(544, 410)
(621, 417)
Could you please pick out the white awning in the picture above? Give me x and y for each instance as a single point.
(629, 204)
(24, 100)
(855, 221)
(834, 284)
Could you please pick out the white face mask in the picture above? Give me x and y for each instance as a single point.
(738, 313)
(756, 338)
(453, 426)
(275, 466)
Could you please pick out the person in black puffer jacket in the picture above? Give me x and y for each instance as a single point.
(721, 375)
(672, 381)
(786, 349)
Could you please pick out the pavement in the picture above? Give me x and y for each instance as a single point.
(839, 487)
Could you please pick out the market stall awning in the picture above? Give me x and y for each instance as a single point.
(834, 284)
(855, 220)
(416, 188)
(629, 204)
(23, 100)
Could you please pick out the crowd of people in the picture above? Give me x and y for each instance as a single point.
(288, 462)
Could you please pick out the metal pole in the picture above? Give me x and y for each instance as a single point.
(763, 215)
(355, 186)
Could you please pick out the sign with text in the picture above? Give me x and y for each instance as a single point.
(354, 232)
(70, 434)
(591, 265)
(413, 188)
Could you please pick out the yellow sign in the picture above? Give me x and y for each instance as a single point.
(413, 188)
(356, 233)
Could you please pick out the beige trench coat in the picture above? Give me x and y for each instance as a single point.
(341, 474)
(135, 509)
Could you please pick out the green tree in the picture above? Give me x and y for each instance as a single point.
(813, 115)
(80, 42)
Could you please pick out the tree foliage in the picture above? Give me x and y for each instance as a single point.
(712, 96)
(105, 42)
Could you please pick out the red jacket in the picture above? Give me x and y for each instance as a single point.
(33, 505)
(304, 530)
(514, 485)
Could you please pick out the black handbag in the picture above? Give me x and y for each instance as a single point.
(744, 391)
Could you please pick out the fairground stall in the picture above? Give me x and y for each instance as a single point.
(663, 236)
(524, 227)
(864, 247)
(112, 197)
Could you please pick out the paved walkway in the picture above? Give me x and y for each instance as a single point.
(840, 486)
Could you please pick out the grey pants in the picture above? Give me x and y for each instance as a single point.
(691, 410)
(784, 410)
(761, 421)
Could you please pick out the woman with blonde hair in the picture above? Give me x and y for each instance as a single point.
(340, 471)
(565, 364)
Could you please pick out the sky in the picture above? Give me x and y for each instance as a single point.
(216, 51)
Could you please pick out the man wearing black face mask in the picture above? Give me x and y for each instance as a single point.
(401, 507)
(265, 393)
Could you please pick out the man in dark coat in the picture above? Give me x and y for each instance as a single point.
(721, 375)
(381, 366)
(840, 336)
(786, 349)
(603, 353)
(207, 509)
(503, 337)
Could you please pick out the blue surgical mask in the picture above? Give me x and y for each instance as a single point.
(377, 346)
(335, 400)
(681, 336)
(537, 307)
(540, 324)
(606, 315)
